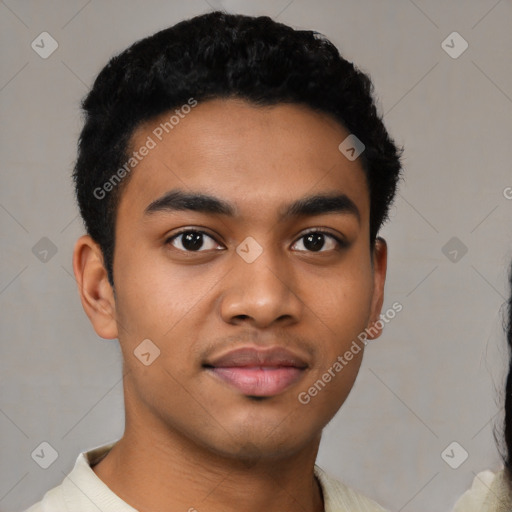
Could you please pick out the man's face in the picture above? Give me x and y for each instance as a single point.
(253, 279)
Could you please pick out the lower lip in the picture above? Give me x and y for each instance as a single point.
(257, 381)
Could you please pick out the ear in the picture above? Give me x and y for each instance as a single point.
(96, 293)
(380, 258)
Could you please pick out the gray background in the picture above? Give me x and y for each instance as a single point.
(435, 375)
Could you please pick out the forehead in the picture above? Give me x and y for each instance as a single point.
(258, 157)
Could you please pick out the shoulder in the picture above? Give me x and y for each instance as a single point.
(52, 501)
(499, 498)
(489, 492)
(69, 495)
(340, 498)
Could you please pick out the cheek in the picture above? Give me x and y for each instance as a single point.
(344, 301)
(151, 295)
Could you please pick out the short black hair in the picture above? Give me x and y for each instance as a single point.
(221, 55)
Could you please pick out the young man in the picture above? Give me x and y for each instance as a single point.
(233, 175)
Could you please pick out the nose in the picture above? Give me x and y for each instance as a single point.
(261, 293)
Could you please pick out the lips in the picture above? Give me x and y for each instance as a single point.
(258, 372)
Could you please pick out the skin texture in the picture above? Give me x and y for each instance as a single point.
(190, 439)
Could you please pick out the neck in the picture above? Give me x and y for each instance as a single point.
(159, 470)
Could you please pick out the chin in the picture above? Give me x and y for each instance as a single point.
(252, 452)
(251, 444)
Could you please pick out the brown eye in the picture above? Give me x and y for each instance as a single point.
(192, 240)
(320, 241)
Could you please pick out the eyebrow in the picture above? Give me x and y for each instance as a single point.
(318, 204)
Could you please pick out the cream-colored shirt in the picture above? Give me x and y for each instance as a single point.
(489, 493)
(83, 491)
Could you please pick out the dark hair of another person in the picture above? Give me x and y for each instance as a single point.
(508, 389)
(220, 55)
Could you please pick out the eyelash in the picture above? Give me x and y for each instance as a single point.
(341, 243)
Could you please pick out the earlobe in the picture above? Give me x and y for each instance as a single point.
(96, 293)
(380, 255)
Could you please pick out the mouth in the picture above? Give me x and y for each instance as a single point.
(256, 372)
(259, 381)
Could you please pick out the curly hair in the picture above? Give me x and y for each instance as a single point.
(220, 55)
